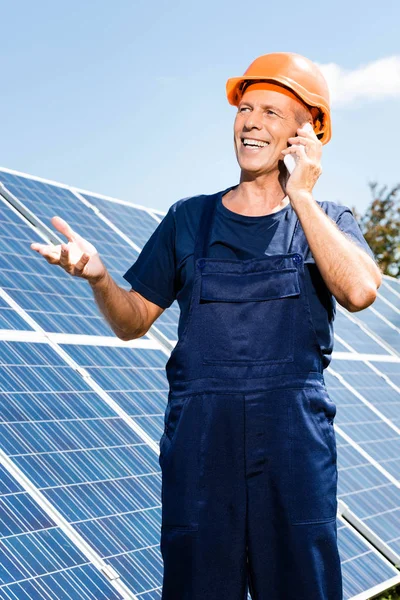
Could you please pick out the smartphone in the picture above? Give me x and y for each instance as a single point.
(289, 159)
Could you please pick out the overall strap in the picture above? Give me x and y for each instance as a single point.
(204, 229)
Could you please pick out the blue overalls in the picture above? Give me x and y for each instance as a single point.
(248, 454)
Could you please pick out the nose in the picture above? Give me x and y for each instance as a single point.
(253, 121)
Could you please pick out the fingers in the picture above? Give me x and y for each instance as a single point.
(63, 227)
(51, 253)
(296, 149)
(81, 264)
(299, 140)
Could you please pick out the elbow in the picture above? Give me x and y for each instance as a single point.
(128, 336)
(361, 299)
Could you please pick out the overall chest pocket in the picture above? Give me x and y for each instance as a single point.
(248, 318)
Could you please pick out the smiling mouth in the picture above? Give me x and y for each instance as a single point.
(254, 144)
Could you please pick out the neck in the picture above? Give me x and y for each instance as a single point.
(257, 196)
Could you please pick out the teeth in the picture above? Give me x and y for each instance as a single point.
(248, 142)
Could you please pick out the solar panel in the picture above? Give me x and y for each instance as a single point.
(46, 200)
(381, 326)
(372, 387)
(37, 559)
(363, 568)
(369, 494)
(134, 222)
(57, 301)
(9, 319)
(75, 297)
(133, 377)
(349, 331)
(392, 283)
(365, 427)
(84, 458)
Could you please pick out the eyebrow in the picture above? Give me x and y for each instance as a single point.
(264, 106)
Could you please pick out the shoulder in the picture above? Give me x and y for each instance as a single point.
(334, 210)
(190, 204)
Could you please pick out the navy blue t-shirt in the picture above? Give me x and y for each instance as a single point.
(164, 270)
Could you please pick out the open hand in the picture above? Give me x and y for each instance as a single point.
(78, 257)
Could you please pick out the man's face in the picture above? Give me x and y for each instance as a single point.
(264, 116)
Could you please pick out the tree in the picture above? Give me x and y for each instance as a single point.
(380, 226)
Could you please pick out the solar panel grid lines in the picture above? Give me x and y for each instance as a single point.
(391, 286)
(386, 316)
(368, 456)
(367, 492)
(367, 338)
(48, 199)
(377, 322)
(104, 218)
(118, 511)
(66, 542)
(135, 380)
(364, 400)
(364, 568)
(55, 300)
(130, 221)
(113, 527)
(48, 234)
(362, 528)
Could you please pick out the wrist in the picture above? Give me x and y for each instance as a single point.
(300, 196)
(99, 281)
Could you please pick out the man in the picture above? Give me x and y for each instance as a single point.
(248, 454)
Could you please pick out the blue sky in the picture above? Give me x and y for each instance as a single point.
(128, 98)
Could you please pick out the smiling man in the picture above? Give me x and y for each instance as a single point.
(248, 454)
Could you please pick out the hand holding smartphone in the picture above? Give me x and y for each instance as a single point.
(289, 159)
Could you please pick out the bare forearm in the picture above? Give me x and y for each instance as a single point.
(120, 308)
(349, 273)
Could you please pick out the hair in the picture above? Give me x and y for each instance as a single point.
(302, 114)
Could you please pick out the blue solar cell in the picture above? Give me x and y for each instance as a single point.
(58, 302)
(46, 200)
(369, 494)
(390, 311)
(353, 335)
(392, 283)
(378, 326)
(363, 425)
(362, 567)
(37, 559)
(78, 583)
(8, 485)
(392, 370)
(134, 222)
(371, 386)
(62, 303)
(83, 457)
(133, 377)
(9, 319)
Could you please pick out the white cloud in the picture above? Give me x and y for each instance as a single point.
(377, 80)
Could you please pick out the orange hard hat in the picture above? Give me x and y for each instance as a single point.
(298, 74)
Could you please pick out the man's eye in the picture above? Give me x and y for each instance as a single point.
(270, 111)
(243, 108)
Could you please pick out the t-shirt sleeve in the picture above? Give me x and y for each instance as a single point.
(153, 272)
(347, 223)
